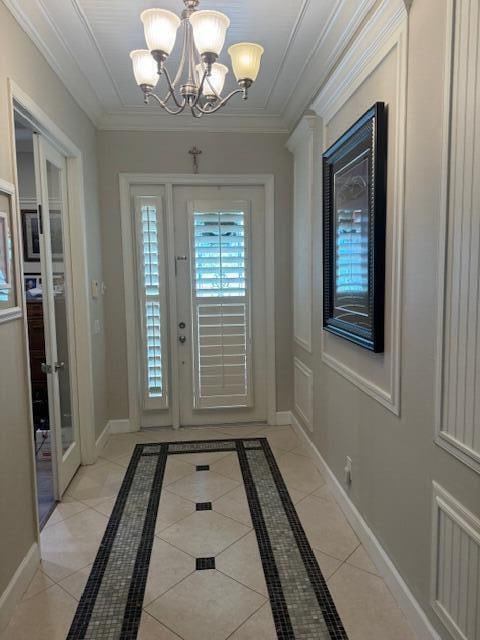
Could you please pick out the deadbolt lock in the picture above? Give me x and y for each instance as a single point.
(181, 325)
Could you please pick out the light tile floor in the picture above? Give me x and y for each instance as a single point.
(181, 603)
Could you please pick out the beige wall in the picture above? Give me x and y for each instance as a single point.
(167, 152)
(394, 458)
(21, 61)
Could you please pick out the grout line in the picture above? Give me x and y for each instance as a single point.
(248, 618)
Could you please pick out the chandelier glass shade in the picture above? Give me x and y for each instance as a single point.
(198, 83)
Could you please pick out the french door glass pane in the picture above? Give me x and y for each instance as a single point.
(60, 304)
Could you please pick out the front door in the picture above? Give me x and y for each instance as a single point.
(50, 178)
(202, 324)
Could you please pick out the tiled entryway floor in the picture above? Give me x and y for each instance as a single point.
(180, 602)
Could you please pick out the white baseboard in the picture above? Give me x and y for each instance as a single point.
(412, 610)
(283, 418)
(102, 439)
(120, 426)
(18, 585)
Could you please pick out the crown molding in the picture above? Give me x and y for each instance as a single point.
(375, 36)
(141, 119)
(344, 21)
(35, 22)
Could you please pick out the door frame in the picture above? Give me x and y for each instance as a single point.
(20, 102)
(169, 181)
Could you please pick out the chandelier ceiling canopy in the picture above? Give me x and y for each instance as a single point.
(199, 80)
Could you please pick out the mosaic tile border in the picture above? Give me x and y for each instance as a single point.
(294, 590)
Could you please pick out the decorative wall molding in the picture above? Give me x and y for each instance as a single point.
(18, 585)
(385, 31)
(332, 41)
(405, 599)
(303, 392)
(458, 342)
(302, 144)
(455, 586)
(38, 25)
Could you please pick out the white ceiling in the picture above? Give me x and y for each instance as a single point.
(87, 42)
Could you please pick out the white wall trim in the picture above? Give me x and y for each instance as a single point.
(304, 412)
(385, 31)
(126, 180)
(38, 26)
(283, 418)
(122, 425)
(443, 438)
(79, 262)
(302, 141)
(467, 523)
(18, 585)
(102, 439)
(415, 615)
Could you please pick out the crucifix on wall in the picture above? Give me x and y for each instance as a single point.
(194, 152)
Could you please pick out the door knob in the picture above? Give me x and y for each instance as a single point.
(182, 339)
(46, 368)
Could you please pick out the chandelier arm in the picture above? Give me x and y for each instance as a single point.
(172, 112)
(171, 88)
(200, 89)
(222, 102)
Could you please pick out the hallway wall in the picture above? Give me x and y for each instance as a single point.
(395, 459)
(21, 61)
(167, 152)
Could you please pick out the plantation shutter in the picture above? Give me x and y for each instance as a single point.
(152, 278)
(221, 304)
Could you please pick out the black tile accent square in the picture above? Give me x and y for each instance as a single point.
(203, 506)
(202, 564)
(202, 467)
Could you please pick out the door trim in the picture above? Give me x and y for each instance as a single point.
(18, 101)
(126, 181)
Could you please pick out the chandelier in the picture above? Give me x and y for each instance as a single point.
(198, 83)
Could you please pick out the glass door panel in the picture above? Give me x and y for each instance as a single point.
(50, 170)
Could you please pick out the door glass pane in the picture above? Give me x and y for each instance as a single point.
(60, 303)
(219, 243)
(221, 307)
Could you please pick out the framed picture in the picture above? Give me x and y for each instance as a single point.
(11, 303)
(354, 218)
(31, 235)
(33, 286)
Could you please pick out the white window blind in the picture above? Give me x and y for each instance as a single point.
(152, 299)
(221, 304)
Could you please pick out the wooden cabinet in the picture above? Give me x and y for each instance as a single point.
(36, 339)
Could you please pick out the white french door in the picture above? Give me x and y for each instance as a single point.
(51, 188)
(202, 325)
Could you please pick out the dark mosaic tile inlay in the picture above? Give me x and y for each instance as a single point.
(203, 506)
(202, 564)
(202, 467)
(111, 604)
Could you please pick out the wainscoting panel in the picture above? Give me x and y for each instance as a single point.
(458, 380)
(382, 42)
(303, 392)
(301, 144)
(456, 566)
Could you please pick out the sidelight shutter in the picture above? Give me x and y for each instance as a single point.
(221, 304)
(152, 278)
